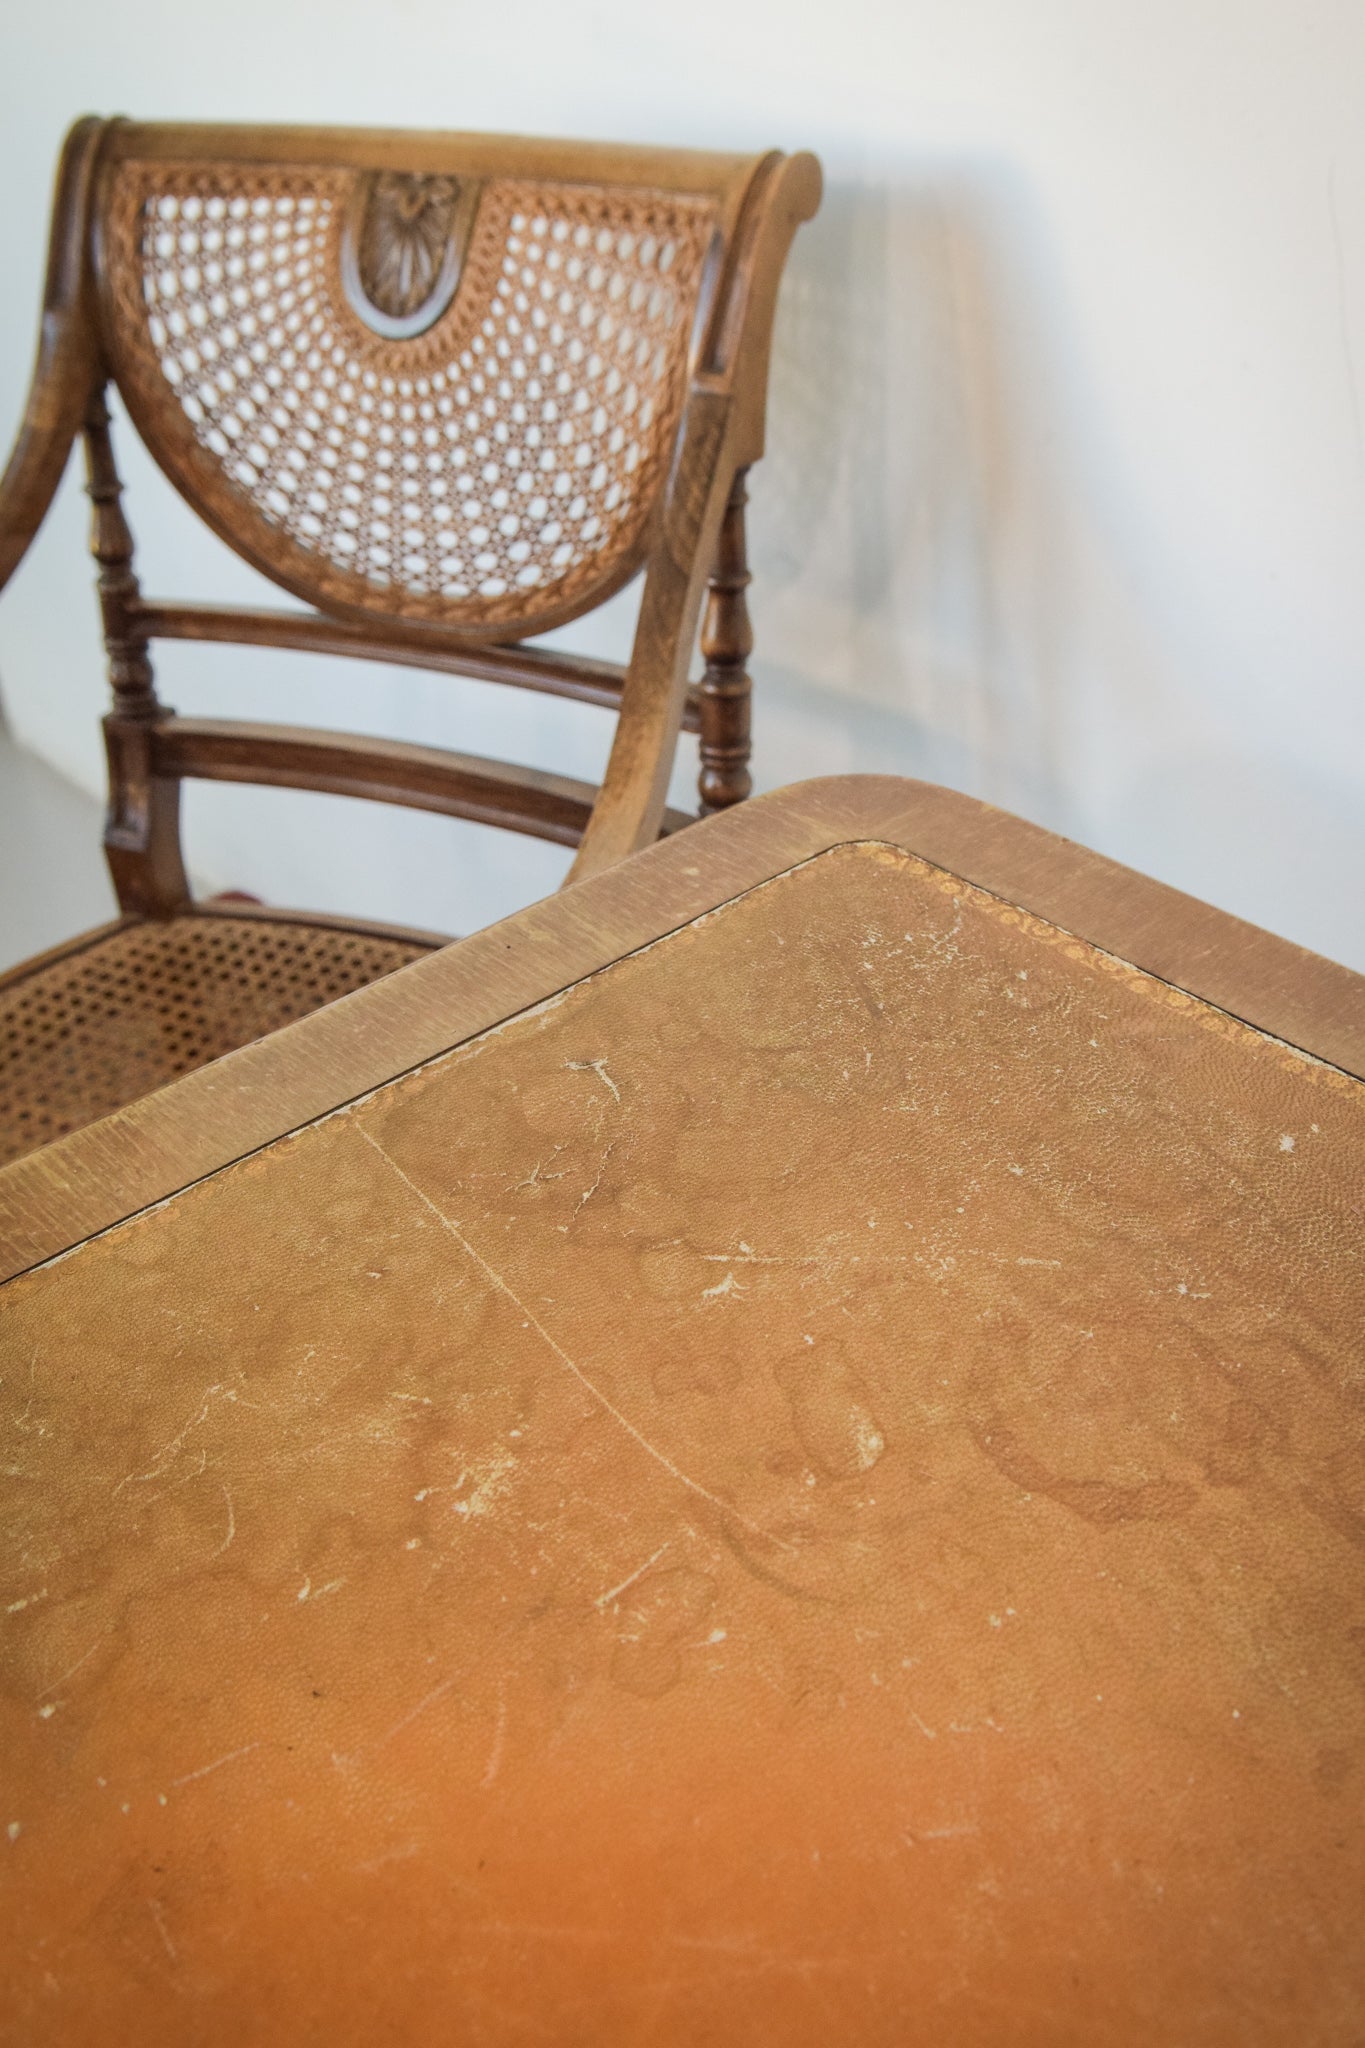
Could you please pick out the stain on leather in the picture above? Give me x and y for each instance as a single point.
(1338, 1514)
(832, 1414)
(815, 1689)
(1100, 1501)
(1248, 1431)
(794, 1535)
(1333, 1768)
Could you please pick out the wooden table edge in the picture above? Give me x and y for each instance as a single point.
(66, 1192)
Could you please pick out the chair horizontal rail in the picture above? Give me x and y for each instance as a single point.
(517, 799)
(577, 676)
(389, 771)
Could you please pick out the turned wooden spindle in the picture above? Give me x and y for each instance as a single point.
(727, 641)
(142, 828)
(111, 544)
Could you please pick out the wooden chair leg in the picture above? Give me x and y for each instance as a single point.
(142, 830)
(727, 641)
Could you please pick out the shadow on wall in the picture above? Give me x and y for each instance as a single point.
(955, 579)
(912, 531)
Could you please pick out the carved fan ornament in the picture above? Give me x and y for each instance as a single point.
(404, 248)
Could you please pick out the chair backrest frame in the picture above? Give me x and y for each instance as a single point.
(132, 196)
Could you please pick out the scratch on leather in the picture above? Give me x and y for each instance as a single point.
(533, 1322)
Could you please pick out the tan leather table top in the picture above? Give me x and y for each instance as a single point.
(808, 1489)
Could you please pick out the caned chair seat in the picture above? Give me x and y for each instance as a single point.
(448, 392)
(126, 1008)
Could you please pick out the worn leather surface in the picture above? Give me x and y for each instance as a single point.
(810, 1490)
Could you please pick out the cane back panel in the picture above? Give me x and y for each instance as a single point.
(447, 398)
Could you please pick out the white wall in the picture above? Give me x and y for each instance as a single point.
(1065, 497)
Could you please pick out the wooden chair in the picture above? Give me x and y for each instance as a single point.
(449, 390)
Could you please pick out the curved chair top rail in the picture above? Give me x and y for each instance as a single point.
(721, 175)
